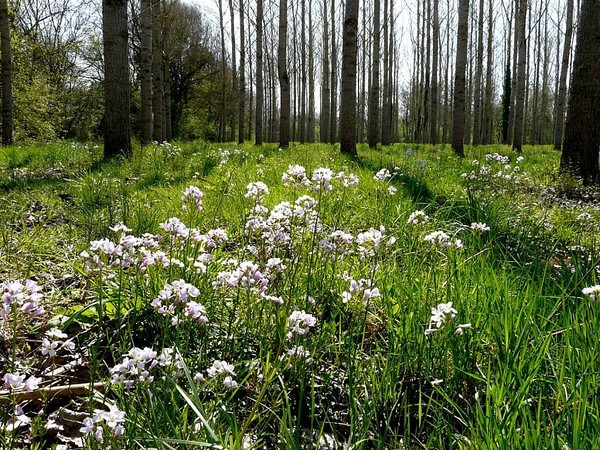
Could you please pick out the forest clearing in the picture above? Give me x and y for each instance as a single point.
(243, 297)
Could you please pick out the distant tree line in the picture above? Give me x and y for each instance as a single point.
(430, 71)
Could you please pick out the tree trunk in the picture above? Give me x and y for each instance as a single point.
(478, 76)
(145, 72)
(326, 91)
(303, 74)
(310, 135)
(223, 115)
(582, 127)
(458, 110)
(564, 70)
(374, 94)
(284, 80)
(333, 116)
(259, 73)
(521, 74)
(348, 98)
(7, 83)
(434, 99)
(234, 87)
(117, 124)
(242, 93)
(385, 119)
(158, 131)
(488, 111)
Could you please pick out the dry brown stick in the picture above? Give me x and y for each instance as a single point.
(51, 391)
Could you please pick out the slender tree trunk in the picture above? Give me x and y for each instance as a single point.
(259, 72)
(242, 91)
(326, 91)
(582, 127)
(234, 87)
(333, 133)
(310, 135)
(168, 99)
(434, 99)
(145, 72)
(478, 76)
(385, 118)
(223, 114)
(520, 95)
(117, 124)
(7, 77)
(564, 71)
(349, 69)
(158, 131)
(303, 73)
(284, 80)
(488, 112)
(374, 94)
(458, 112)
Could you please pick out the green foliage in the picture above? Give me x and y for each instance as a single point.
(512, 362)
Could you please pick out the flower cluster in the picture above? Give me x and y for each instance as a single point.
(20, 298)
(298, 353)
(223, 368)
(244, 275)
(348, 179)
(17, 382)
(321, 178)
(442, 240)
(300, 323)
(370, 242)
(443, 313)
(174, 300)
(479, 227)
(418, 218)
(295, 176)
(360, 288)
(593, 292)
(256, 191)
(194, 194)
(337, 244)
(497, 169)
(138, 366)
(102, 421)
(54, 341)
(383, 175)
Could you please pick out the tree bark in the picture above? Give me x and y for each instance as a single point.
(259, 73)
(458, 111)
(145, 72)
(333, 132)
(223, 113)
(374, 94)
(117, 124)
(478, 78)
(349, 63)
(7, 71)
(284, 80)
(434, 98)
(521, 75)
(562, 88)
(310, 135)
(385, 119)
(582, 127)
(158, 131)
(242, 92)
(233, 115)
(326, 91)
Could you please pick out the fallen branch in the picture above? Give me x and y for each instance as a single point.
(51, 391)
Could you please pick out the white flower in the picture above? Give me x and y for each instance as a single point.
(14, 380)
(592, 292)
(383, 175)
(229, 382)
(418, 218)
(479, 227)
(392, 190)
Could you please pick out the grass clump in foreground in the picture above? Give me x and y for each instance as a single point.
(242, 297)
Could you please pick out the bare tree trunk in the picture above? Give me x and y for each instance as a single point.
(310, 135)
(145, 72)
(242, 93)
(284, 80)
(326, 91)
(168, 100)
(478, 76)
(158, 131)
(232, 118)
(374, 94)
(434, 100)
(488, 111)
(458, 112)
(259, 73)
(564, 71)
(348, 97)
(223, 114)
(520, 95)
(117, 125)
(7, 77)
(333, 133)
(582, 127)
(385, 119)
(303, 74)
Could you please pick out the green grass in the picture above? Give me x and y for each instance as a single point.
(524, 375)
